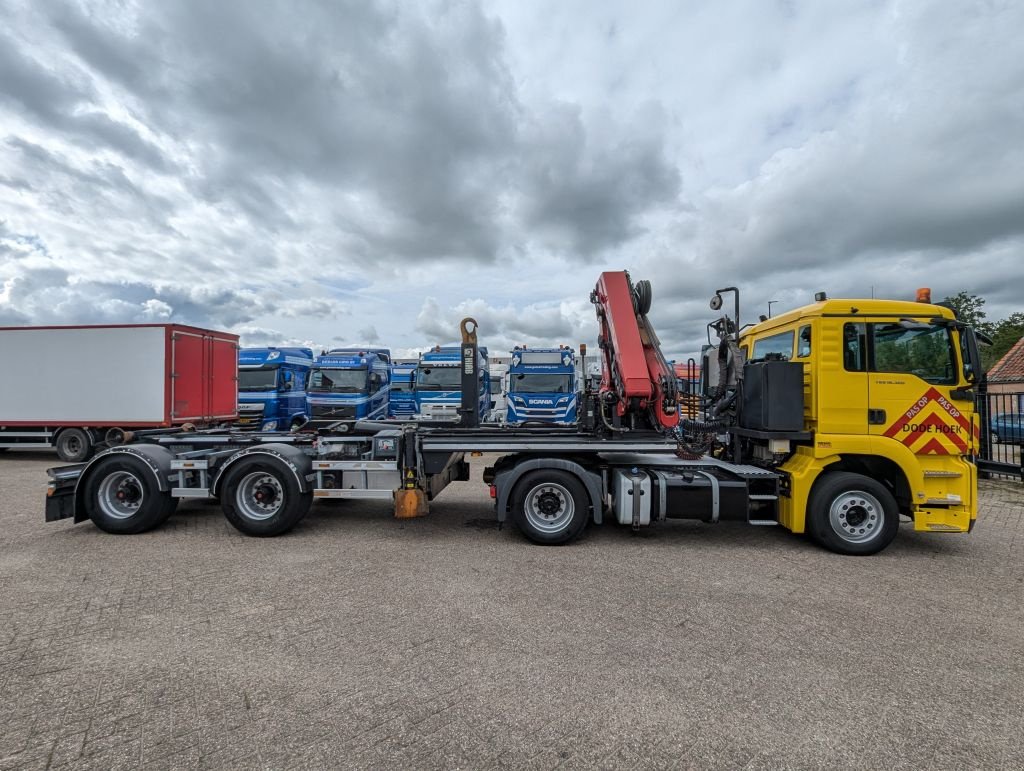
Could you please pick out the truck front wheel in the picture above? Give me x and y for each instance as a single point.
(550, 507)
(74, 445)
(852, 514)
(122, 497)
(262, 498)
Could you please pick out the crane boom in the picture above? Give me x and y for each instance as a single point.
(635, 376)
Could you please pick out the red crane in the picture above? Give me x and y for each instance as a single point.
(635, 377)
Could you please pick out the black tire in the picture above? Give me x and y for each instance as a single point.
(262, 498)
(74, 445)
(121, 496)
(852, 514)
(550, 507)
(642, 296)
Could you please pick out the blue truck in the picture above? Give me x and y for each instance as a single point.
(272, 388)
(402, 404)
(542, 385)
(347, 383)
(439, 383)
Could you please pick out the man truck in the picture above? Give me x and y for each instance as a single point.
(402, 402)
(349, 384)
(272, 388)
(68, 387)
(542, 385)
(835, 419)
(439, 383)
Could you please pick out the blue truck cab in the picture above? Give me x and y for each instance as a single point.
(439, 384)
(349, 383)
(272, 387)
(402, 403)
(542, 385)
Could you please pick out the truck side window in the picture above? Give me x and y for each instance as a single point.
(854, 347)
(803, 346)
(926, 353)
(778, 346)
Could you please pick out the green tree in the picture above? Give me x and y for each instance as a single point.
(969, 309)
(1004, 333)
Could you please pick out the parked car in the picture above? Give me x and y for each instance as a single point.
(1008, 428)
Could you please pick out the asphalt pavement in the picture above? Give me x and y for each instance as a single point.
(363, 641)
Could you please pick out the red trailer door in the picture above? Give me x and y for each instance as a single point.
(223, 378)
(189, 381)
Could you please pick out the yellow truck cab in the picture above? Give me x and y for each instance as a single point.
(888, 419)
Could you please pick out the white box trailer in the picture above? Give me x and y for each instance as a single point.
(66, 387)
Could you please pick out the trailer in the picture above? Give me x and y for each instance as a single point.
(68, 387)
(783, 440)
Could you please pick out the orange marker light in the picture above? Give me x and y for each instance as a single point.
(924, 294)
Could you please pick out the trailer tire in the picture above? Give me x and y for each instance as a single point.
(262, 498)
(852, 514)
(74, 445)
(121, 496)
(550, 507)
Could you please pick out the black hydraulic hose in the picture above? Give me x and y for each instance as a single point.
(609, 426)
(702, 426)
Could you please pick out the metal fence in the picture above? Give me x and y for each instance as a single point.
(1000, 407)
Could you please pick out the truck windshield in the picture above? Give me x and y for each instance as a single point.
(257, 379)
(926, 353)
(337, 381)
(439, 378)
(523, 383)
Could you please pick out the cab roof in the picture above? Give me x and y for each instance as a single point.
(257, 357)
(852, 308)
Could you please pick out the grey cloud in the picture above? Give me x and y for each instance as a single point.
(252, 336)
(500, 328)
(369, 334)
(586, 197)
(49, 296)
(426, 131)
(56, 100)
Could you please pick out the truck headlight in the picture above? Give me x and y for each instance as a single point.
(270, 425)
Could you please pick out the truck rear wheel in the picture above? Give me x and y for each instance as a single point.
(550, 507)
(262, 498)
(121, 496)
(74, 445)
(852, 514)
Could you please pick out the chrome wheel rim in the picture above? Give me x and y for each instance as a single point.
(549, 508)
(120, 495)
(260, 496)
(856, 516)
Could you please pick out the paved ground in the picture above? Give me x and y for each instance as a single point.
(367, 642)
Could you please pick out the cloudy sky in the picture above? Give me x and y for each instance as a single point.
(370, 172)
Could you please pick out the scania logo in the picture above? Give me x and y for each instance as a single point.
(542, 401)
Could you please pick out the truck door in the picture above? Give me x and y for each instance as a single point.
(188, 377)
(842, 372)
(222, 400)
(914, 370)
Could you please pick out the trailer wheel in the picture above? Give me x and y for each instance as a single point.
(262, 498)
(74, 445)
(852, 514)
(121, 496)
(550, 507)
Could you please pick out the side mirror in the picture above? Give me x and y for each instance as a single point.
(716, 302)
(971, 355)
